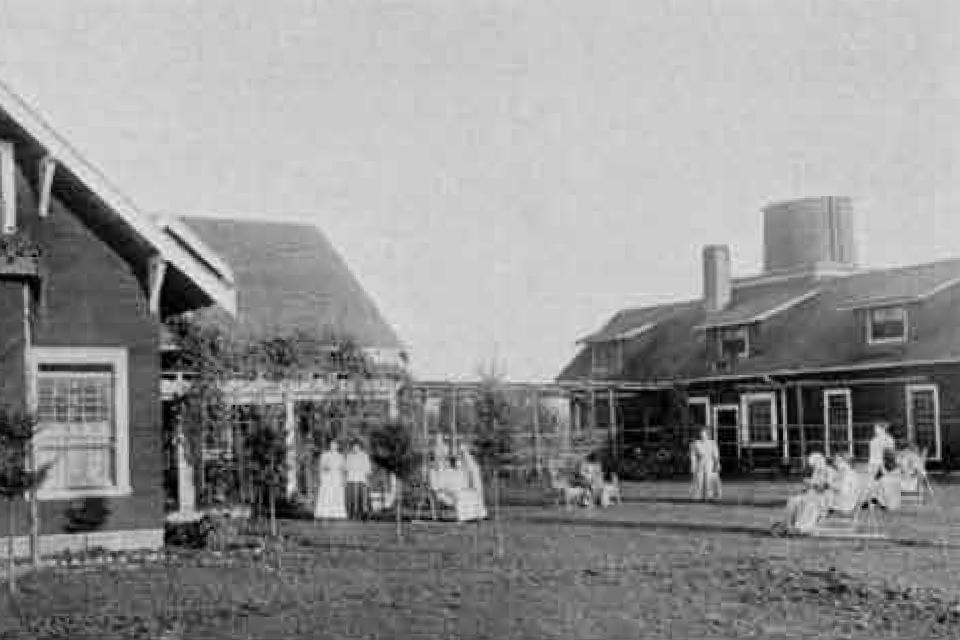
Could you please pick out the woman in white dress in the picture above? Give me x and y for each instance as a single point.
(705, 467)
(474, 479)
(806, 508)
(331, 495)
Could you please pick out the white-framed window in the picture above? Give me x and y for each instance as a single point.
(923, 418)
(80, 397)
(837, 422)
(8, 188)
(886, 325)
(759, 418)
(733, 342)
(699, 410)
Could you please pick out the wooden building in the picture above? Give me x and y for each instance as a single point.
(292, 284)
(85, 282)
(805, 356)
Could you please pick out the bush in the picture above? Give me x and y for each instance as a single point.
(86, 515)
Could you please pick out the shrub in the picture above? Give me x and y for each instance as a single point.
(86, 515)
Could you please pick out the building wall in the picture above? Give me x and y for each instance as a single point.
(875, 396)
(91, 298)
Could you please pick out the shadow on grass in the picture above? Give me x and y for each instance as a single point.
(716, 527)
(762, 503)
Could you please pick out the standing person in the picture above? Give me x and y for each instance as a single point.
(880, 445)
(358, 476)
(330, 495)
(474, 478)
(441, 453)
(705, 467)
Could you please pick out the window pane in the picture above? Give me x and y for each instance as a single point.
(733, 341)
(698, 414)
(77, 426)
(760, 419)
(888, 324)
(924, 414)
(838, 423)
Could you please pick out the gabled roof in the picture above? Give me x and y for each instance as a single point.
(630, 323)
(290, 279)
(193, 264)
(817, 331)
(750, 304)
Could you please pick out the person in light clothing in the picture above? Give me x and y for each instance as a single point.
(705, 467)
(880, 445)
(330, 496)
(358, 469)
(805, 509)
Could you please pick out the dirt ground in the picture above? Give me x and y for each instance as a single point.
(653, 567)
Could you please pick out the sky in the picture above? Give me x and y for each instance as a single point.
(502, 176)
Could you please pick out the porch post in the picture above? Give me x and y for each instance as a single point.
(425, 425)
(803, 431)
(783, 421)
(612, 410)
(453, 417)
(536, 429)
(290, 433)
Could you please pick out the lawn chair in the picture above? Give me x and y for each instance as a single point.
(861, 515)
(915, 484)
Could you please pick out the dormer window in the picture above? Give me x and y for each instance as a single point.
(733, 342)
(886, 325)
(607, 357)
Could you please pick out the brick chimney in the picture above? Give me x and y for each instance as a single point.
(716, 277)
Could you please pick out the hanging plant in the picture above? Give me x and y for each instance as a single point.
(15, 245)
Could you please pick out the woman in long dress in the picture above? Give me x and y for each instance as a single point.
(474, 479)
(705, 467)
(847, 486)
(805, 509)
(331, 495)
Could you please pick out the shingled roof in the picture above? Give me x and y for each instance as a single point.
(804, 323)
(291, 279)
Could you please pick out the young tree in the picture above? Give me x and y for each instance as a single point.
(392, 448)
(266, 454)
(17, 477)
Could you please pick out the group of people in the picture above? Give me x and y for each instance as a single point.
(343, 483)
(830, 486)
(840, 488)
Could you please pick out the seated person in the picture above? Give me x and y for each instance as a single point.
(805, 509)
(846, 486)
(911, 468)
(590, 476)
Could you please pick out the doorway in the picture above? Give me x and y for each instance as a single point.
(726, 430)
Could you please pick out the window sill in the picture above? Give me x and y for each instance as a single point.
(73, 494)
(759, 445)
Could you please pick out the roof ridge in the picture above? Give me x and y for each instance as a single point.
(278, 221)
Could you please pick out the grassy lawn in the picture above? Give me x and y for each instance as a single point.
(654, 567)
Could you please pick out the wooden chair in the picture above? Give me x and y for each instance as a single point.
(862, 517)
(916, 485)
